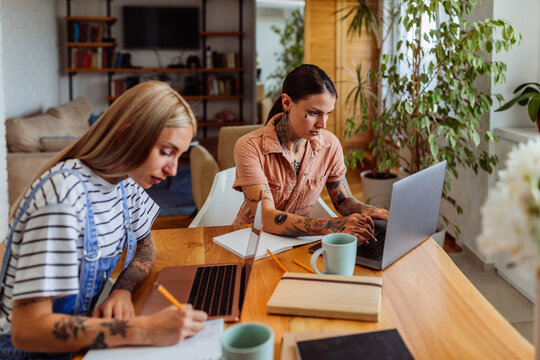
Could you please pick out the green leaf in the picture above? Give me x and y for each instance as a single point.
(534, 106)
(475, 138)
(515, 100)
(433, 146)
(408, 108)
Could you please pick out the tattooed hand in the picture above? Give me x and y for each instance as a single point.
(361, 226)
(376, 213)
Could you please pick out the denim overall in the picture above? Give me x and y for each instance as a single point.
(94, 269)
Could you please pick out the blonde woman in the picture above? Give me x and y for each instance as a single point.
(68, 231)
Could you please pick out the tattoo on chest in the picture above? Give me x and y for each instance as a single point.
(296, 166)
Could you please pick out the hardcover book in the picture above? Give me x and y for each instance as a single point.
(330, 296)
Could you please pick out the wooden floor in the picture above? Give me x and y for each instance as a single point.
(355, 183)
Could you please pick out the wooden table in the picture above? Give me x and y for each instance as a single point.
(437, 311)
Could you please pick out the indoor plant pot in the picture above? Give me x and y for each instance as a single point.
(377, 191)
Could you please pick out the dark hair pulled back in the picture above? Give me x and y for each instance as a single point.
(300, 83)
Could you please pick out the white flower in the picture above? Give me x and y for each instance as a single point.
(511, 213)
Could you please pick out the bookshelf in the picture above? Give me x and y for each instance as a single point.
(97, 54)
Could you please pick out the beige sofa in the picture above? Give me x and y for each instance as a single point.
(33, 141)
(204, 167)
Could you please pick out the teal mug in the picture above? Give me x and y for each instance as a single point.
(248, 341)
(339, 254)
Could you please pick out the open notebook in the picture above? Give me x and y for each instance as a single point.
(237, 242)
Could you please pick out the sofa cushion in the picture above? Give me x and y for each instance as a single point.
(56, 143)
(22, 168)
(77, 112)
(24, 134)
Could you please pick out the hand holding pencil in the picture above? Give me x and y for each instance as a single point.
(172, 324)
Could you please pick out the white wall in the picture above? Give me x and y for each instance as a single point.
(30, 56)
(221, 16)
(4, 208)
(523, 61)
(28, 71)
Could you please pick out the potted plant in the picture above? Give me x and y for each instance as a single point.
(530, 97)
(431, 107)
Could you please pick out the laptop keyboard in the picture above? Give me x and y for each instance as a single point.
(213, 289)
(373, 250)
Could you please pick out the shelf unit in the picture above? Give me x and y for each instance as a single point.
(204, 72)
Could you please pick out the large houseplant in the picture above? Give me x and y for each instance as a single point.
(431, 106)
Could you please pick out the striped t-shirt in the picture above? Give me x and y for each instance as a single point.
(47, 246)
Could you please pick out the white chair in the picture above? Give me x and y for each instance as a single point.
(223, 202)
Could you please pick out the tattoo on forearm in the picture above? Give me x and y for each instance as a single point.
(139, 268)
(118, 327)
(26, 302)
(342, 198)
(314, 226)
(98, 343)
(280, 218)
(68, 326)
(250, 199)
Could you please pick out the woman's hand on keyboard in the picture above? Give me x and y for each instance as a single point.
(361, 226)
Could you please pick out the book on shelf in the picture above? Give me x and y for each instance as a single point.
(96, 58)
(120, 85)
(219, 85)
(224, 60)
(83, 32)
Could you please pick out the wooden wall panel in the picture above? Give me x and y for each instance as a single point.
(327, 45)
(320, 40)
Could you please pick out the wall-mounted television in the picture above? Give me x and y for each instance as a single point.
(161, 27)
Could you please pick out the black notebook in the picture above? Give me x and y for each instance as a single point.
(380, 345)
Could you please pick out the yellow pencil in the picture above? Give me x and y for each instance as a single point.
(169, 296)
(277, 261)
(303, 266)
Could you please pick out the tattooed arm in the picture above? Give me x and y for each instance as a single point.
(119, 304)
(51, 332)
(346, 204)
(281, 223)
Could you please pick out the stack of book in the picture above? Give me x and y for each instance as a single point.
(90, 58)
(222, 85)
(97, 58)
(84, 32)
(224, 60)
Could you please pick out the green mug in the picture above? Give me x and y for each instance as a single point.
(248, 341)
(339, 254)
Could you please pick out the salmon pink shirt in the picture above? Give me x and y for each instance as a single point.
(260, 160)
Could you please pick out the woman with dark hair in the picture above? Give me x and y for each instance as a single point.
(290, 159)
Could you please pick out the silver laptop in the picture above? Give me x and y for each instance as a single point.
(414, 211)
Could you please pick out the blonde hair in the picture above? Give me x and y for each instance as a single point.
(122, 138)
